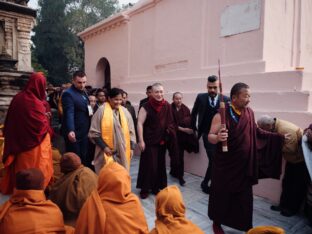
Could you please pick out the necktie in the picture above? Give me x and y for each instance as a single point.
(212, 102)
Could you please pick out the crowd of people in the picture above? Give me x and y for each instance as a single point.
(89, 185)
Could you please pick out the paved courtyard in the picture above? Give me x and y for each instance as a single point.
(197, 202)
(197, 206)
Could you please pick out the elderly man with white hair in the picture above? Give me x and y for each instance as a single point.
(296, 178)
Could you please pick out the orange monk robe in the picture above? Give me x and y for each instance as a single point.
(112, 208)
(72, 190)
(56, 157)
(266, 230)
(38, 157)
(170, 212)
(29, 212)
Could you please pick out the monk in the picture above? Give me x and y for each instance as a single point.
(185, 135)
(71, 190)
(252, 154)
(28, 211)
(113, 132)
(112, 208)
(155, 127)
(56, 156)
(27, 134)
(170, 213)
(296, 176)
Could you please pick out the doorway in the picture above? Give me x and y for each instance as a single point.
(103, 73)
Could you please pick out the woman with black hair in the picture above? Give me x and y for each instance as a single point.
(112, 131)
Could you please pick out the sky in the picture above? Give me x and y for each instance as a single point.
(34, 3)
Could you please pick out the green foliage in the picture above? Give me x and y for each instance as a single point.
(36, 65)
(84, 13)
(56, 45)
(51, 39)
(81, 14)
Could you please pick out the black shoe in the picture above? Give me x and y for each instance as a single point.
(173, 174)
(155, 191)
(143, 194)
(205, 188)
(182, 181)
(287, 213)
(276, 208)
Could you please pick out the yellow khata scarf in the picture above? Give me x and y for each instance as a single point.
(235, 110)
(107, 129)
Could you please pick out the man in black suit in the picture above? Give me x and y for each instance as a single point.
(76, 117)
(205, 107)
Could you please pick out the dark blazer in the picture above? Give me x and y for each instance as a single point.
(205, 113)
(75, 113)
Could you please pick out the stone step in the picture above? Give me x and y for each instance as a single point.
(273, 101)
(301, 118)
(269, 81)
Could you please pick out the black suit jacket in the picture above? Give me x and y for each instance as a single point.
(75, 113)
(205, 112)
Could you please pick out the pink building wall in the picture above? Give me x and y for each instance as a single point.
(178, 43)
(287, 33)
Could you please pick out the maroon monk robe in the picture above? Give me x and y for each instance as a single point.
(183, 119)
(252, 154)
(188, 142)
(26, 122)
(157, 128)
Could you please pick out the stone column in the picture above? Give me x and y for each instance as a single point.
(24, 26)
(17, 21)
(8, 36)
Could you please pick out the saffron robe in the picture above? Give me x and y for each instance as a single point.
(26, 123)
(56, 157)
(112, 208)
(266, 230)
(27, 134)
(252, 154)
(157, 129)
(72, 190)
(113, 136)
(29, 212)
(39, 157)
(170, 213)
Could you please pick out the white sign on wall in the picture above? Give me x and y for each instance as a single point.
(240, 18)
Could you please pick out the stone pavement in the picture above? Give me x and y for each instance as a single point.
(197, 204)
